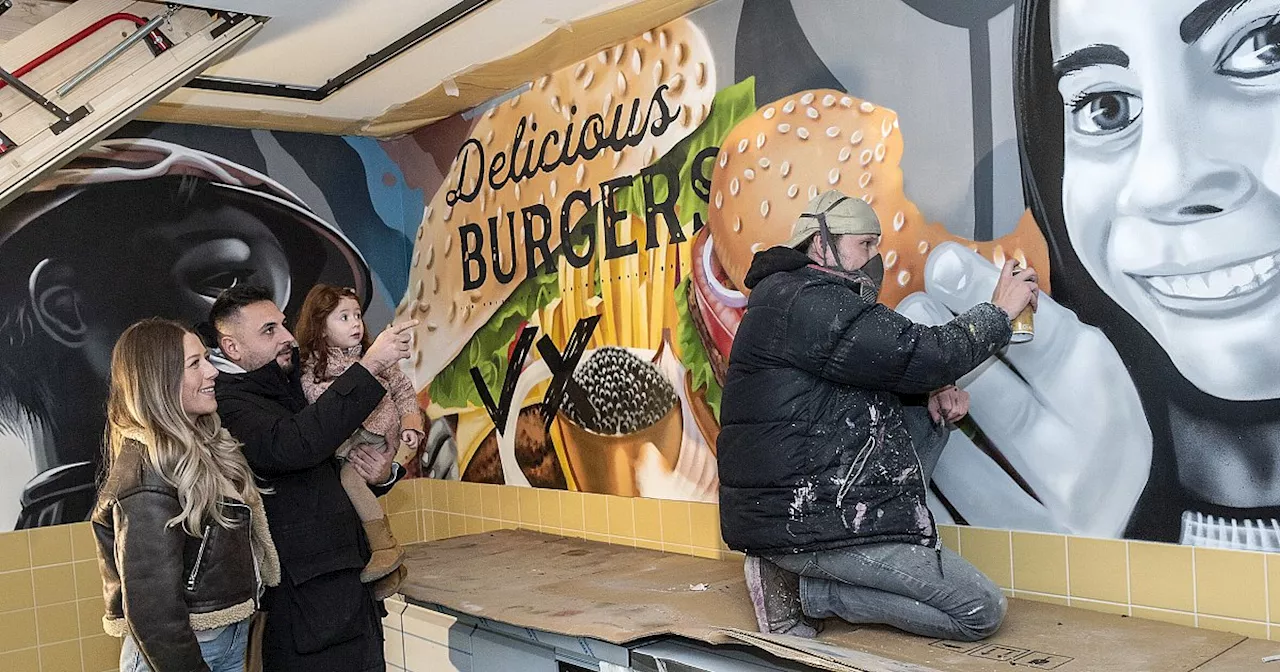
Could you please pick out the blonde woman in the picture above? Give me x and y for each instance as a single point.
(183, 543)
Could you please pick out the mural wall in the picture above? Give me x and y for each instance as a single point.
(574, 253)
(157, 221)
(1141, 408)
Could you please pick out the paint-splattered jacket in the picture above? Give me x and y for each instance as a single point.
(813, 452)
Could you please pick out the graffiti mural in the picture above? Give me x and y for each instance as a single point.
(574, 252)
(147, 224)
(1122, 417)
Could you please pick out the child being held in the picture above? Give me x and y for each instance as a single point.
(332, 336)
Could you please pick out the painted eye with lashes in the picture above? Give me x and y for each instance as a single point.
(1104, 112)
(1255, 54)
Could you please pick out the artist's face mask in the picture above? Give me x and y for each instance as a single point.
(874, 270)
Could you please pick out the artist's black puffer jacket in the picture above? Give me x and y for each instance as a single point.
(813, 452)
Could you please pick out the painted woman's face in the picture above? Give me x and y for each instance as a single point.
(1171, 184)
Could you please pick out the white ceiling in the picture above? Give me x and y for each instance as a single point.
(309, 41)
(333, 34)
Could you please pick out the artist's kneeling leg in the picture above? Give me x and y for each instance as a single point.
(900, 585)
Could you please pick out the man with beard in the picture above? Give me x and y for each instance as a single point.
(823, 458)
(321, 617)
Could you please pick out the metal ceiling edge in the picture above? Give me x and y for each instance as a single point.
(476, 87)
(413, 38)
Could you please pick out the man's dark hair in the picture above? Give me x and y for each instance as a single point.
(232, 299)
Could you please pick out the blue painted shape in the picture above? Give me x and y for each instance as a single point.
(399, 208)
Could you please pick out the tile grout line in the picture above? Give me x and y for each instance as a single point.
(1128, 578)
(662, 529)
(608, 517)
(1232, 619)
(560, 497)
(1086, 600)
(635, 533)
(689, 515)
(1066, 551)
(1163, 610)
(559, 507)
(1195, 587)
(35, 605)
(1266, 590)
(84, 662)
(1011, 582)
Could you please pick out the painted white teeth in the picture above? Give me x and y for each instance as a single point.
(1220, 283)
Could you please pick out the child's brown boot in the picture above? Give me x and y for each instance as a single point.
(387, 553)
(390, 584)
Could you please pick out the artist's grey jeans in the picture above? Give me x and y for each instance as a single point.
(907, 586)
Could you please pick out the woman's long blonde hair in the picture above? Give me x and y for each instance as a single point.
(198, 457)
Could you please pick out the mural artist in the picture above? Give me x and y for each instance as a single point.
(186, 225)
(832, 417)
(321, 617)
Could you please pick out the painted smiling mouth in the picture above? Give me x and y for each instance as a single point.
(1221, 283)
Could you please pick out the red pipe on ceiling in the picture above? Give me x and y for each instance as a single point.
(67, 43)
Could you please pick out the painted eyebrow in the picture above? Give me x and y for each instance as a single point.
(1094, 54)
(1205, 16)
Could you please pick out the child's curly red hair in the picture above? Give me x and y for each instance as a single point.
(320, 302)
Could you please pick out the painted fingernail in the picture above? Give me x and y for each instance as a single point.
(948, 271)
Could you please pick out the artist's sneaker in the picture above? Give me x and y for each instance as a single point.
(775, 595)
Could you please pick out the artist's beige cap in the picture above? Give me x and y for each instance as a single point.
(845, 216)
